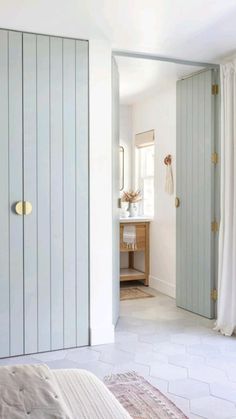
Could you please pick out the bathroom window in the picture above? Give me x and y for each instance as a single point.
(145, 177)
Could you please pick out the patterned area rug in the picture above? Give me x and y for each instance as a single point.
(133, 293)
(141, 399)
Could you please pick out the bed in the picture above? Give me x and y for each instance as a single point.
(87, 397)
(37, 392)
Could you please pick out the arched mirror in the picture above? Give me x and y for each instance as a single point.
(122, 168)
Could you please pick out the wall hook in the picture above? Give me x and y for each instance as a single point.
(168, 159)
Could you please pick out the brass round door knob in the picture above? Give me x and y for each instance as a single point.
(23, 208)
(27, 207)
(19, 208)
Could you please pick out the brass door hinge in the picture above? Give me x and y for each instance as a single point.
(214, 158)
(177, 202)
(215, 89)
(214, 226)
(214, 294)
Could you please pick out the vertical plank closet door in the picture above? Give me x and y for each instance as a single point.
(195, 188)
(55, 144)
(11, 224)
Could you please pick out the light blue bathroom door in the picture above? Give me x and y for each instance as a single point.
(195, 189)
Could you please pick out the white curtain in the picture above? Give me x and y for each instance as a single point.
(226, 319)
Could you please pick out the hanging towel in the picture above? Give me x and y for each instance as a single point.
(169, 185)
(129, 237)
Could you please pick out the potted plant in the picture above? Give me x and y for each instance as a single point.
(132, 197)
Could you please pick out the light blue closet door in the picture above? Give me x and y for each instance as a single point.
(195, 188)
(55, 91)
(11, 224)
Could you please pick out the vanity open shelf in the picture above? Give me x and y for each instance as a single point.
(129, 274)
(142, 245)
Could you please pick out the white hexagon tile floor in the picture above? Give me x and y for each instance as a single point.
(175, 350)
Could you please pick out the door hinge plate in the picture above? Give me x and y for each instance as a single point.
(214, 226)
(214, 294)
(214, 157)
(215, 89)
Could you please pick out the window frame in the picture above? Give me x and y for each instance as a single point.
(139, 180)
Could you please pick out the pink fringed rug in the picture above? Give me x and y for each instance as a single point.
(140, 398)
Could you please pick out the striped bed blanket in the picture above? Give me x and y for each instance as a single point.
(37, 392)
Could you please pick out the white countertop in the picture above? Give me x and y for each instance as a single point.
(136, 219)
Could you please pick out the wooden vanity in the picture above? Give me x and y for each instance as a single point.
(142, 245)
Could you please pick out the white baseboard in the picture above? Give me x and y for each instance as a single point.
(162, 286)
(102, 335)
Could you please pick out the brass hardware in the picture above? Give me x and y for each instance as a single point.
(27, 208)
(168, 160)
(214, 158)
(214, 295)
(19, 208)
(214, 226)
(177, 202)
(215, 89)
(23, 208)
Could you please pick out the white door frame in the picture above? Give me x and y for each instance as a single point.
(204, 66)
(154, 57)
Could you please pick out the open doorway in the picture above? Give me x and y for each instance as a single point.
(152, 245)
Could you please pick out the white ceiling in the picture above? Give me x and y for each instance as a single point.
(202, 30)
(141, 78)
(198, 30)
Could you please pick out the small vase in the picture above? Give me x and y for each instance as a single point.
(133, 209)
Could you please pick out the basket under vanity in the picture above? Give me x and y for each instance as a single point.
(131, 273)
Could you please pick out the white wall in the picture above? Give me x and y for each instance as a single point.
(159, 113)
(102, 329)
(126, 140)
(43, 17)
